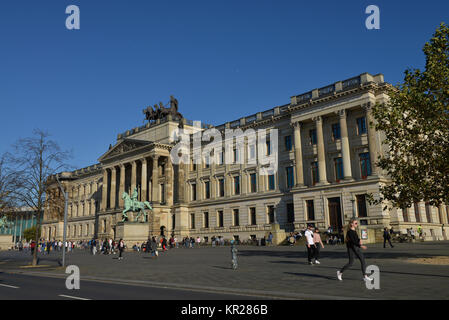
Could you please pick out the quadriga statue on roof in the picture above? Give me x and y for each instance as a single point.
(160, 111)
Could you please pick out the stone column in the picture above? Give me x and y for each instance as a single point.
(104, 192)
(372, 140)
(320, 150)
(155, 177)
(144, 182)
(122, 185)
(169, 181)
(299, 171)
(133, 177)
(113, 187)
(345, 151)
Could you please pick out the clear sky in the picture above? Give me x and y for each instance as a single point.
(221, 59)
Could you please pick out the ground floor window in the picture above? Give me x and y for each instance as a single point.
(252, 216)
(290, 213)
(310, 210)
(270, 213)
(361, 206)
(417, 217)
(220, 219)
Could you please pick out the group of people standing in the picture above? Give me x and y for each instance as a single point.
(314, 244)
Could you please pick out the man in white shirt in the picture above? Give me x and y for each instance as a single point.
(310, 244)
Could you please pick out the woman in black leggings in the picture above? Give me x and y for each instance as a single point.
(354, 246)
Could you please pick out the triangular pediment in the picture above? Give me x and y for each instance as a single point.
(122, 147)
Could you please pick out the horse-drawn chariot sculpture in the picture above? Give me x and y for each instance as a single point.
(160, 111)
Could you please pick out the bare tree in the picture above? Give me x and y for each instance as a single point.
(36, 160)
(8, 183)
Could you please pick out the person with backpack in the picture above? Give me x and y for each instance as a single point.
(354, 247)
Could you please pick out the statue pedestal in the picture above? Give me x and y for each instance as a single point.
(279, 235)
(132, 232)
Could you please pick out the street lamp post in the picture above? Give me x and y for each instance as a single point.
(66, 200)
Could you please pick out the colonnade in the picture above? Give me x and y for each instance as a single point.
(345, 149)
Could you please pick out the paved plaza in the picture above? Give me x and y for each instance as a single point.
(271, 272)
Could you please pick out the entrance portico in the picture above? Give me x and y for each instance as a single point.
(142, 165)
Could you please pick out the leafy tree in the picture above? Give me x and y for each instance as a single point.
(416, 124)
(30, 233)
(36, 160)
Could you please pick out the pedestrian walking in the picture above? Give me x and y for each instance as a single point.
(318, 244)
(387, 237)
(354, 246)
(121, 247)
(310, 244)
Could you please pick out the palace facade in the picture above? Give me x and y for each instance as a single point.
(326, 156)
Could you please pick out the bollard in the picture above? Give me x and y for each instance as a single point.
(234, 263)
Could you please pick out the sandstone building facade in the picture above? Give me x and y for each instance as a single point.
(326, 156)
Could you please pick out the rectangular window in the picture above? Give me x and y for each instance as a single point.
(270, 214)
(290, 213)
(313, 138)
(336, 133)
(253, 180)
(235, 217)
(268, 143)
(417, 217)
(220, 219)
(428, 213)
(315, 174)
(206, 220)
(310, 210)
(207, 189)
(162, 192)
(361, 206)
(290, 177)
(271, 183)
(220, 159)
(252, 151)
(236, 155)
(252, 216)
(361, 126)
(405, 214)
(193, 191)
(207, 162)
(288, 143)
(192, 221)
(221, 188)
(173, 222)
(338, 164)
(365, 165)
(236, 185)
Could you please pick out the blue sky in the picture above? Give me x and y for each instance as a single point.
(221, 59)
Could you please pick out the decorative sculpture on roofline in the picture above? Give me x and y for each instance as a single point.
(160, 111)
(133, 205)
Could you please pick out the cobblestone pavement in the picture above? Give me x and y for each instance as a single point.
(271, 271)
